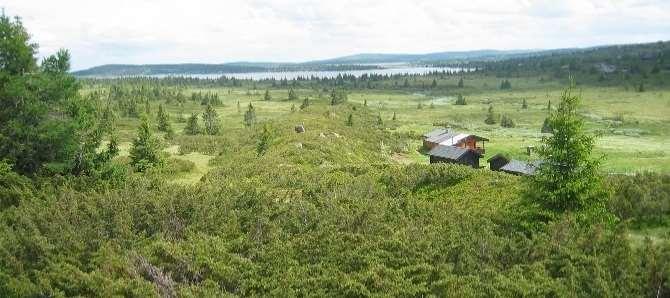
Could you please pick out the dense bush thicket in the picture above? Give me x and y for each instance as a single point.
(643, 198)
(253, 229)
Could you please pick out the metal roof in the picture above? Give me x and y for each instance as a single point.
(448, 152)
(453, 140)
(440, 138)
(520, 167)
(446, 136)
(434, 133)
(497, 156)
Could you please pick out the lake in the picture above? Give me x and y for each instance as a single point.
(289, 75)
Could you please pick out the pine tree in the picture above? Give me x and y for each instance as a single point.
(146, 149)
(192, 127)
(380, 121)
(267, 96)
(568, 180)
(460, 83)
(250, 116)
(210, 118)
(406, 84)
(490, 117)
(433, 85)
(394, 117)
(163, 120)
(524, 104)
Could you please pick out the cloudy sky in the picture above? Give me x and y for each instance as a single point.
(217, 31)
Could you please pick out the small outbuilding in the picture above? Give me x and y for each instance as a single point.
(497, 161)
(455, 155)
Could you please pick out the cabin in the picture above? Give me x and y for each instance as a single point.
(445, 137)
(497, 161)
(455, 155)
(501, 163)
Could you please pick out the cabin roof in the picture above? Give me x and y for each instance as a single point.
(449, 138)
(520, 167)
(454, 139)
(434, 133)
(448, 152)
(498, 156)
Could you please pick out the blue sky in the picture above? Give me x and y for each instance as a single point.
(168, 31)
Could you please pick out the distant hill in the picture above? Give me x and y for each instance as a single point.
(360, 61)
(197, 68)
(430, 57)
(353, 62)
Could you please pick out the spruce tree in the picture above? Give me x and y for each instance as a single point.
(146, 149)
(460, 83)
(250, 116)
(507, 122)
(394, 117)
(163, 120)
(45, 124)
(292, 95)
(210, 119)
(490, 116)
(305, 103)
(192, 127)
(460, 100)
(433, 85)
(524, 104)
(568, 180)
(267, 96)
(264, 140)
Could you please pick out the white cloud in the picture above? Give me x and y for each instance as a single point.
(170, 31)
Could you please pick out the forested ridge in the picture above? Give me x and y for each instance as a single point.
(325, 212)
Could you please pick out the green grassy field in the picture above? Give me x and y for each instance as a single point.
(633, 128)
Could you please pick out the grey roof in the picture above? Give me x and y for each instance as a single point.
(498, 155)
(520, 167)
(435, 132)
(439, 138)
(448, 152)
(440, 135)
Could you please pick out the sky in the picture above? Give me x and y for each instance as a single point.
(219, 31)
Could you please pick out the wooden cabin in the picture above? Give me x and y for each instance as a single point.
(455, 155)
(455, 139)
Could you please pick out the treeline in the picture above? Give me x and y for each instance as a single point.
(194, 68)
(610, 63)
(432, 80)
